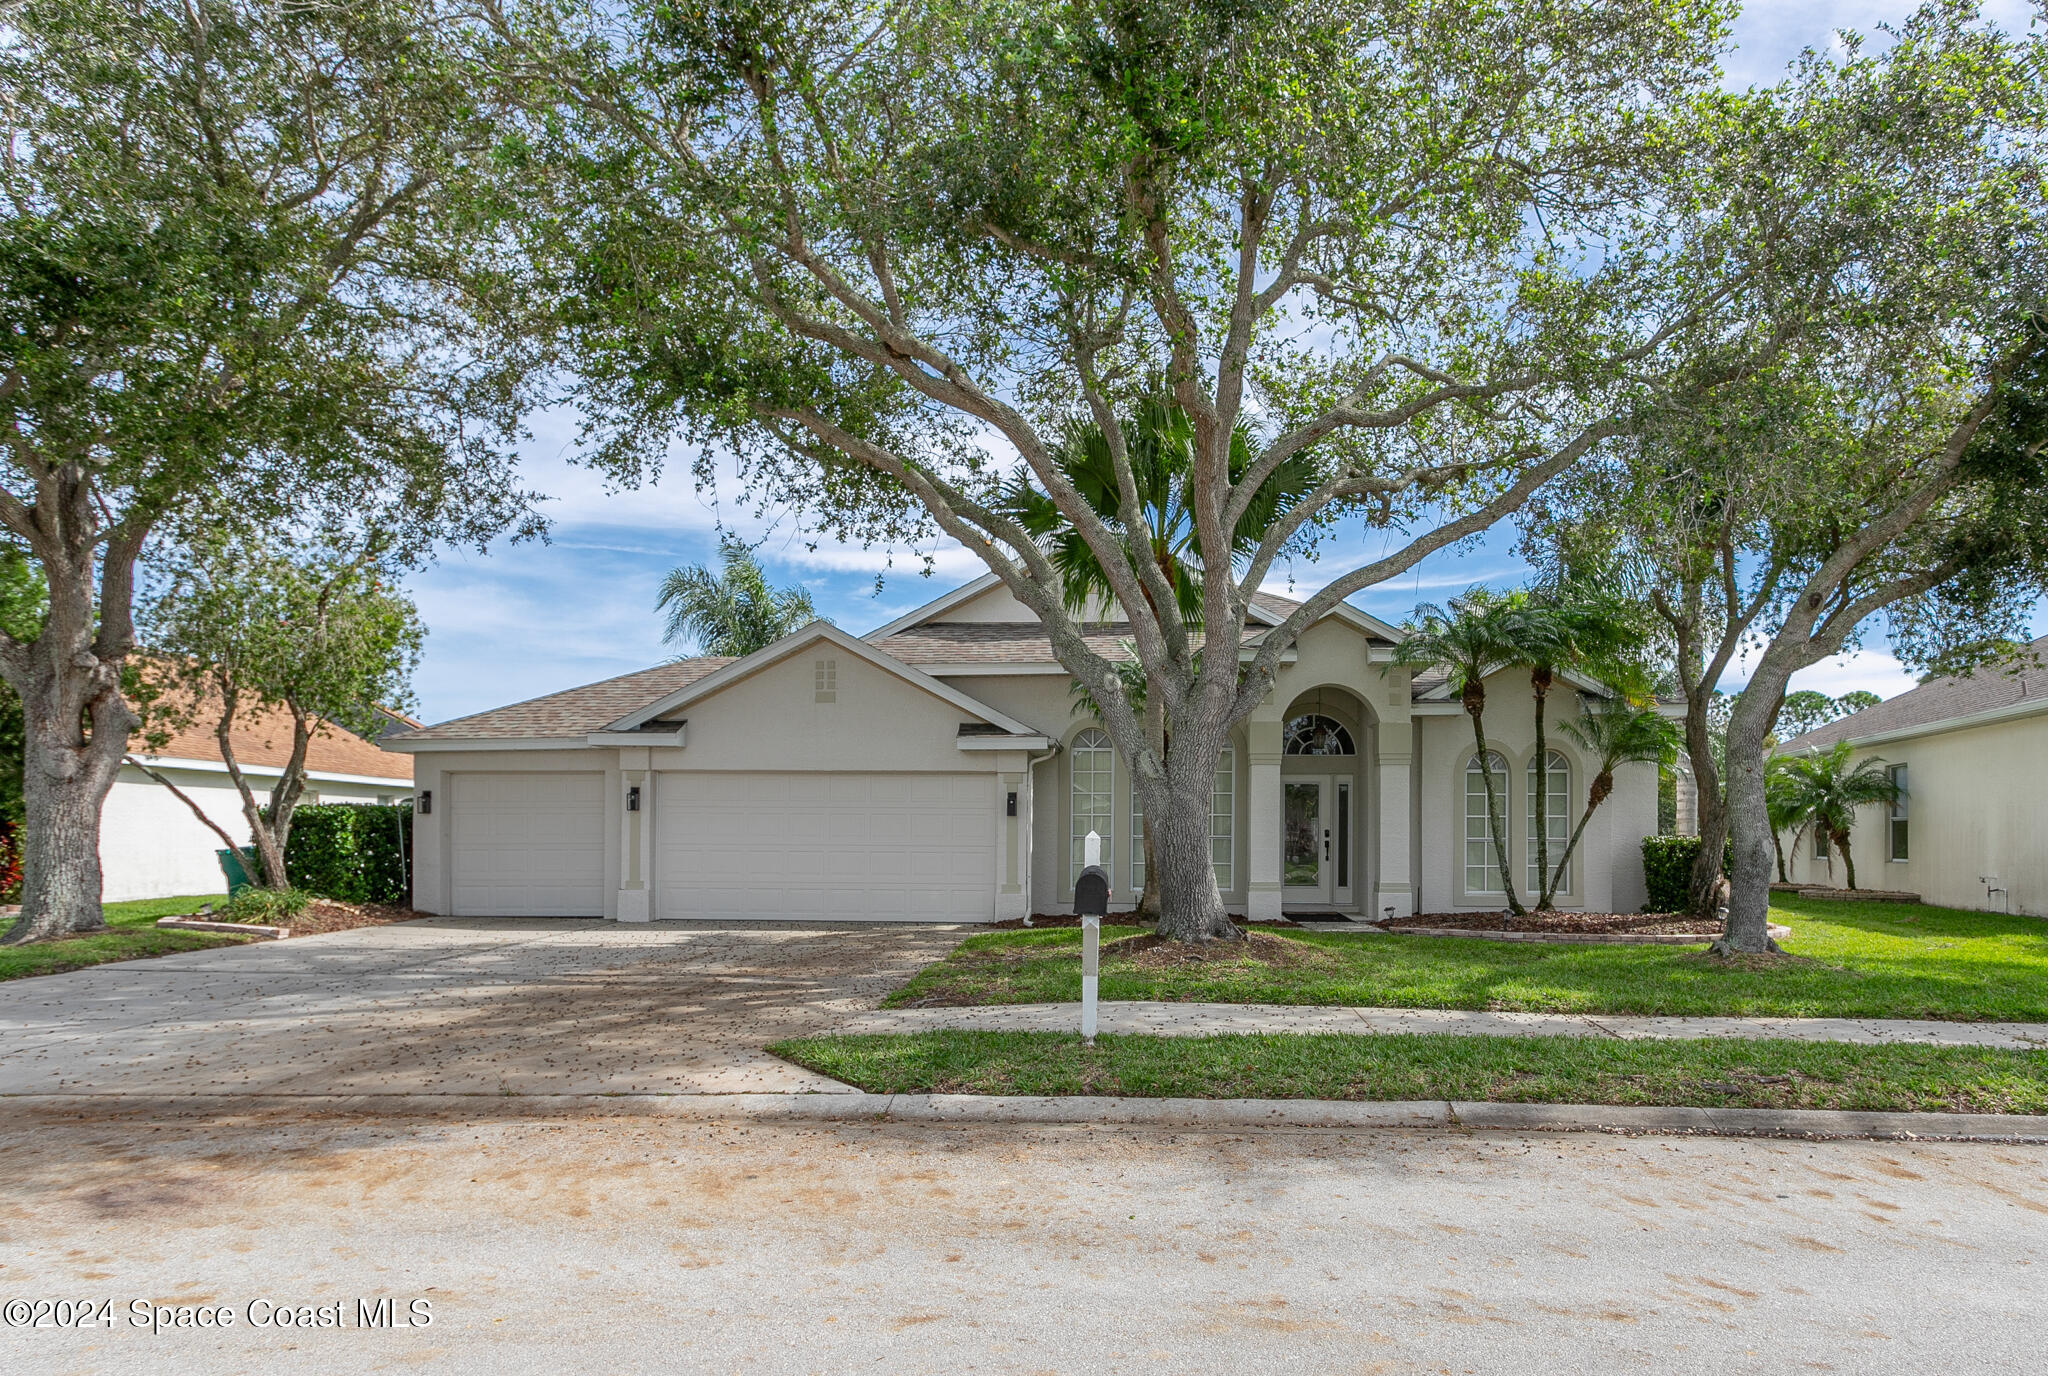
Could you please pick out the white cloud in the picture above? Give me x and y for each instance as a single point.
(1872, 671)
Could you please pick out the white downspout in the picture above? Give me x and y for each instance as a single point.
(1030, 819)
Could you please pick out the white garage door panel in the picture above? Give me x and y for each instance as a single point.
(849, 847)
(528, 845)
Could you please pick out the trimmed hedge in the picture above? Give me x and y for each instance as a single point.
(356, 852)
(1667, 871)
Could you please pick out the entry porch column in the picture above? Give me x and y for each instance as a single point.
(1394, 781)
(1263, 892)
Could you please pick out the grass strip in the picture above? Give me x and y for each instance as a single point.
(1719, 1073)
(1852, 959)
(132, 934)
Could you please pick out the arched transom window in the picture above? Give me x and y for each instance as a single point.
(1482, 863)
(1310, 734)
(1090, 760)
(1557, 803)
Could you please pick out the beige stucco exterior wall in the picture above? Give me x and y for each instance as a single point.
(1978, 807)
(1607, 869)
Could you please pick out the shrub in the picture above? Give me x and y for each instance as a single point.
(356, 852)
(1667, 871)
(273, 906)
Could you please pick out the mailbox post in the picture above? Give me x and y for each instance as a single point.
(1091, 904)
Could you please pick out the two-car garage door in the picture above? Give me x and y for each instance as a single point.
(752, 846)
(832, 847)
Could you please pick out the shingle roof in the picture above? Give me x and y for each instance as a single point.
(994, 642)
(1943, 699)
(573, 712)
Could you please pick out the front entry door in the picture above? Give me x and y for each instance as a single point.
(1307, 840)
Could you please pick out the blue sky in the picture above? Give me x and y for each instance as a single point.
(529, 619)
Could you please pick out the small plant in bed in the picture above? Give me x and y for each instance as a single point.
(265, 907)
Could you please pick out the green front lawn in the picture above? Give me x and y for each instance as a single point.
(1535, 1070)
(1865, 960)
(131, 935)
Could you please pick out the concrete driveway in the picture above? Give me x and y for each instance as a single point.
(454, 1006)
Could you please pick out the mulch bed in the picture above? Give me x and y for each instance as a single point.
(1151, 952)
(332, 915)
(1566, 924)
(1048, 920)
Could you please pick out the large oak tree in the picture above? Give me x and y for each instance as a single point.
(1889, 466)
(226, 230)
(883, 255)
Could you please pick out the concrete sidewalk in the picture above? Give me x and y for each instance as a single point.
(1213, 1019)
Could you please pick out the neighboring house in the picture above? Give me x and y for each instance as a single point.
(938, 770)
(1972, 831)
(151, 846)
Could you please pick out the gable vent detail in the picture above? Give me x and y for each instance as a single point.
(825, 680)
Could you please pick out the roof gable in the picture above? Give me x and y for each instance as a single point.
(734, 671)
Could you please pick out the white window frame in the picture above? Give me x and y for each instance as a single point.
(1897, 826)
(1560, 817)
(1475, 816)
(1093, 743)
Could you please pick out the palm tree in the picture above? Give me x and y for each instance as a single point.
(734, 613)
(1551, 633)
(1159, 441)
(1825, 787)
(1616, 733)
(1470, 640)
(1781, 807)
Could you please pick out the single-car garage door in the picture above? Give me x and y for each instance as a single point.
(832, 847)
(527, 845)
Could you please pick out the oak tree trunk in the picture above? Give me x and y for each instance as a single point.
(1179, 870)
(1749, 897)
(67, 772)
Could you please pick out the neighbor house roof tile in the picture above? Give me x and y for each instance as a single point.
(264, 737)
(2025, 679)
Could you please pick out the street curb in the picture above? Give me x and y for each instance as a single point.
(1098, 1111)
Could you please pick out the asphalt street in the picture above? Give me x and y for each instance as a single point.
(620, 1240)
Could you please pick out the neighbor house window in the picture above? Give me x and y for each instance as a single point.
(1820, 841)
(1482, 866)
(1898, 773)
(1090, 760)
(825, 680)
(1557, 822)
(1222, 834)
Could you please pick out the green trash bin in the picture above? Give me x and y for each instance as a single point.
(236, 866)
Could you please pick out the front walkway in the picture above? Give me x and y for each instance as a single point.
(1210, 1019)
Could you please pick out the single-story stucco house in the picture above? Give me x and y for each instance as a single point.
(1972, 830)
(151, 846)
(937, 770)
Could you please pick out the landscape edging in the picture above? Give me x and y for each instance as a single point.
(1778, 933)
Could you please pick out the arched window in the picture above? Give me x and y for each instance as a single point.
(1482, 865)
(1557, 799)
(1222, 826)
(1315, 735)
(1089, 766)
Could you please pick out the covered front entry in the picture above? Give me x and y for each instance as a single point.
(1323, 738)
(526, 845)
(789, 846)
